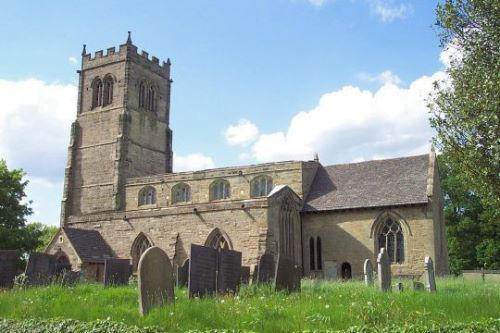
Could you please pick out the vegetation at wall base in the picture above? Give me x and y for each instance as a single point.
(321, 306)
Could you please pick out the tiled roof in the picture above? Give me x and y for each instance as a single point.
(392, 182)
(88, 244)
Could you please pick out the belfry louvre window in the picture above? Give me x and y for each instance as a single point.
(97, 88)
(142, 95)
(261, 186)
(181, 193)
(219, 190)
(108, 91)
(392, 239)
(147, 196)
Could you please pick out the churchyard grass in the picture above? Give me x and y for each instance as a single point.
(320, 306)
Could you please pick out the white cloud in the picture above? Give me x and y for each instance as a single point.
(317, 3)
(192, 162)
(72, 60)
(242, 133)
(386, 76)
(354, 125)
(451, 53)
(388, 11)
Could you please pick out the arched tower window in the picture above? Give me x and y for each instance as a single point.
(152, 99)
(391, 238)
(108, 91)
(147, 196)
(140, 244)
(218, 240)
(312, 256)
(97, 88)
(142, 95)
(181, 193)
(220, 190)
(261, 186)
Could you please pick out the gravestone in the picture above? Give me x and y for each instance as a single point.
(384, 270)
(417, 286)
(331, 271)
(183, 274)
(245, 274)
(117, 271)
(8, 261)
(430, 279)
(202, 271)
(266, 269)
(40, 270)
(368, 272)
(228, 271)
(254, 272)
(287, 275)
(68, 278)
(155, 280)
(398, 287)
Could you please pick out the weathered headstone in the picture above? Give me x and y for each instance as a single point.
(430, 279)
(287, 275)
(155, 280)
(67, 278)
(331, 270)
(228, 271)
(41, 269)
(8, 261)
(398, 287)
(417, 286)
(117, 271)
(266, 269)
(384, 270)
(245, 274)
(202, 271)
(254, 272)
(183, 274)
(368, 272)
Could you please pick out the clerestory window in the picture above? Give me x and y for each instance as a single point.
(181, 193)
(261, 186)
(147, 196)
(219, 190)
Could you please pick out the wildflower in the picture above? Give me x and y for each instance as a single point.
(319, 297)
(171, 313)
(222, 301)
(369, 303)
(353, 304)
(327, 306)
(262, 297)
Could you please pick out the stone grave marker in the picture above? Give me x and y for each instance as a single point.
(384, 270)
(430, 279)
(398, 287)
(117, 271)
(68, 278)
(417, 286)
(331, 270)
(183, 274)
(40, 270)
(8, 261)
(202, 271)
(155, 280)
(266, 269)
(228, 271)
(287, 275)
(254, 272)
(245, 274)
(368, 272)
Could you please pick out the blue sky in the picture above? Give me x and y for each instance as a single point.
(254, 81)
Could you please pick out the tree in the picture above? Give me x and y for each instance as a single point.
(13, 211)
(465, 111)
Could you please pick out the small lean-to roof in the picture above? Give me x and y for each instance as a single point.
(88, 244)
(379, 183)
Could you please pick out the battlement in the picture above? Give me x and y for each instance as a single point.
(127, 51)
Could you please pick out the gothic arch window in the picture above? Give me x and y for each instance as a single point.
(181, 193)
(140, 244)
(220, 189)
(312, 256)
(151, 99)
(107, 97)
(97, 88)
(147, 196)
(261, 186)
(142, 95)
(289, 226)
(218, 240)
(391, 237)
(315, 254)
(346, 271)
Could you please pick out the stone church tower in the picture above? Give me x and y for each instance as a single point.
(121, 129)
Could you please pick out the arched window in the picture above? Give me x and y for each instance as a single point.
(140, 244)
(108, 91)
(218, 240)
(147, 196)
(319, 259)
(152, 99)
(219, 190)
(181, 193)
(346, 271)
(391, 238)
(142, 95)
(312, 256)
(97, 93)
(261, 186)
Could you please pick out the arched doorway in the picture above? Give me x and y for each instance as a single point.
(345, 271)
(62, 263)
(140, 244)
(218, 239)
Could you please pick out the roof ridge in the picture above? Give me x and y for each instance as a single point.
(376, 160)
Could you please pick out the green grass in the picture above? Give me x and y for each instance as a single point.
(320, 306)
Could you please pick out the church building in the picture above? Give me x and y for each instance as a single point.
(121, 196)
